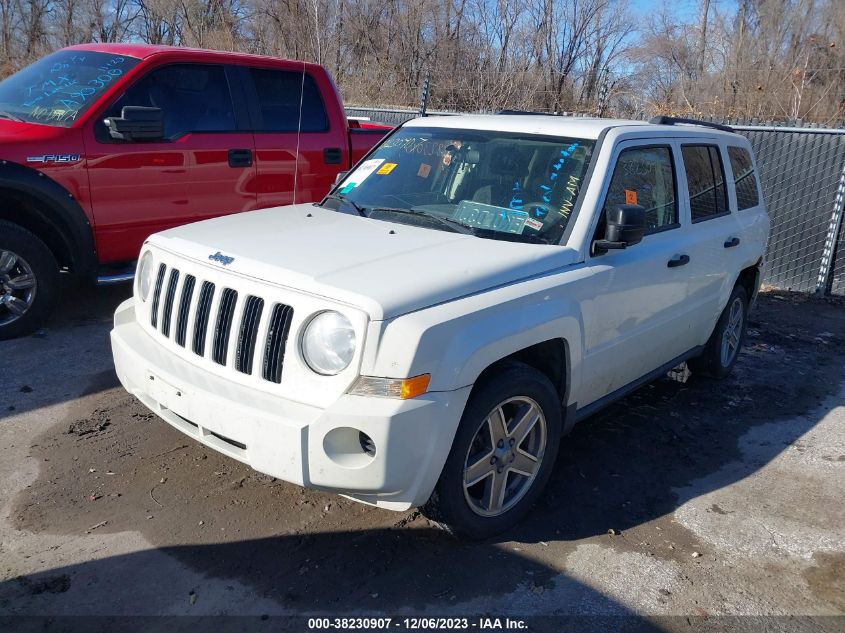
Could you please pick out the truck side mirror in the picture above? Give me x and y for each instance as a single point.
(339, 178)
(137, 123)
(624, 227)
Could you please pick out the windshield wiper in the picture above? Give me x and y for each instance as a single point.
(341, 198)
(455, 226)
(10, 116)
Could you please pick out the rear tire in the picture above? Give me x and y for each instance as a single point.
(502, 454)
(29, 281)
(725, 343)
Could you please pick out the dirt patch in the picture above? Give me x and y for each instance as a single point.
(827, 579)
(98, 421)
(122, 469)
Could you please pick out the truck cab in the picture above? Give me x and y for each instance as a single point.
(104, 144)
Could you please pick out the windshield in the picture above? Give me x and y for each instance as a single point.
(500, 185)
(57, 89)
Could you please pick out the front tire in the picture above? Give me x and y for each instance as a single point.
(502, 455)
(29, 281)
(723, 347)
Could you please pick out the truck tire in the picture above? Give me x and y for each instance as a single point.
(501, 457)
(29, 281)
(723, 346)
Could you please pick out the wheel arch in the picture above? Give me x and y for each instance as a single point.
(45, 208)
(749, 278)
(550, 358)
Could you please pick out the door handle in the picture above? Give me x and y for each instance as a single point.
(678, 260)
(240, 158)
(734, 241)
(332, 156)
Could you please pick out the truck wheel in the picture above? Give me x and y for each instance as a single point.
(502, 455)
(29, 281)
(723, 347)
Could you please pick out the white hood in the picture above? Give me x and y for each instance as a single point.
(384, 268)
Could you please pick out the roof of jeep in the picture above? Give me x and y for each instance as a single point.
(555, 125)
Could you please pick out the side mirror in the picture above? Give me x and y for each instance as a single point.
(137, 123)
(625, 226)
(339, 178)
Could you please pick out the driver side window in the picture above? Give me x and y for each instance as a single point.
(646, 176)
(193, 97)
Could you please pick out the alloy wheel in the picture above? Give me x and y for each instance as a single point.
(505, 456)
(18, 286)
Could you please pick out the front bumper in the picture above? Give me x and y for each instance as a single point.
(302, 444)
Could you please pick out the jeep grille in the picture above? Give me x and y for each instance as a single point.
(192, 315)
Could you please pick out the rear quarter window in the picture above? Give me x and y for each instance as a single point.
(745, 180)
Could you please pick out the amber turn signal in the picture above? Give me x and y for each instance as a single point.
(401, 388)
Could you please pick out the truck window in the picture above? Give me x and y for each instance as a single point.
(59, 88)
(279, 96)
(708, 196)
(646, 176)
(747, 195)
(193, 97)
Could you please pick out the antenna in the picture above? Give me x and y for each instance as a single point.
(298, 132)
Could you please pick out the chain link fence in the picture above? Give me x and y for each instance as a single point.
(802, 171)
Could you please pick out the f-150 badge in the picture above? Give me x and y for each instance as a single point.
(221, 258)
(54, 158)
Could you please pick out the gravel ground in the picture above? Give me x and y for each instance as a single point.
(698, 499)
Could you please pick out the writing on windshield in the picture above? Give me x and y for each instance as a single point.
(57, 89)
(505, 185)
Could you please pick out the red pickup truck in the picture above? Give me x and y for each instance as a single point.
(103, 144)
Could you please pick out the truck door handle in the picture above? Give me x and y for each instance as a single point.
(240, 158)
(678, 260)
(332, 156)
(734, 241)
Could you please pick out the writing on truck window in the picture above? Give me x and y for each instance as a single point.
(59, 88)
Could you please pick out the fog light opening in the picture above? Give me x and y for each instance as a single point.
(349, 447)
(367, 444)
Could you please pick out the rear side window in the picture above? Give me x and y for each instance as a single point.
(708, 195)
(747, 195)
(646, 176)
(279, 96)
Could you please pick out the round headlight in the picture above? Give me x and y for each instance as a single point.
(328, 343)
(145, 275)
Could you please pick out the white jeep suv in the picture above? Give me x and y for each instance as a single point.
(472, 289)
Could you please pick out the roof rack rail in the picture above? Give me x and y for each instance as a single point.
(672, 120)
(527, 112)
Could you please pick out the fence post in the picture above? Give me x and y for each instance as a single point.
(826, 270)
(424, 96)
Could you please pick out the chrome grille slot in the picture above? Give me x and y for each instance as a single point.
(203, 312)
(167, 313)
(277, 336)
(223, 328)
(184, 309)
(157, 295)
(245, 350)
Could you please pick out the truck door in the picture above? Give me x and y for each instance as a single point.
(204, 166)
(290, 156)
